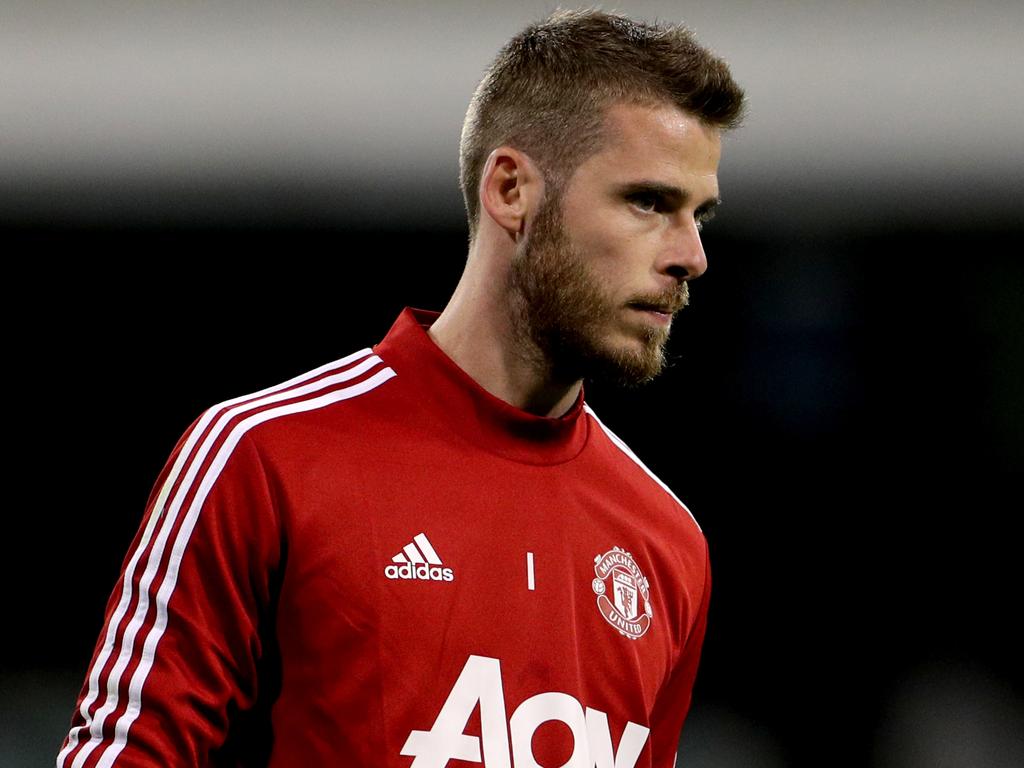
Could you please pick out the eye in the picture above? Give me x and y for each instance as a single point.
(703, 217)
(646, 201)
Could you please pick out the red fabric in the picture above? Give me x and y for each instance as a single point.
(286, 644)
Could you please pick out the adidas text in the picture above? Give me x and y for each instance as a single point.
(418, 560)
(424, 572)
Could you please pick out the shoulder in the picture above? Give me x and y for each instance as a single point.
(313, 398)
(631, 460)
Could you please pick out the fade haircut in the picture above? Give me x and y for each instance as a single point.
(547, 91)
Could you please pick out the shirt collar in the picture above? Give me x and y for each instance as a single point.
(470, 410)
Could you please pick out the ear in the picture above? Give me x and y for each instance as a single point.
(511, 188)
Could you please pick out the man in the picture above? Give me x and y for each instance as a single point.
(433, 551)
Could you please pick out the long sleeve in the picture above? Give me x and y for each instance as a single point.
(178, 654)
(674, 703)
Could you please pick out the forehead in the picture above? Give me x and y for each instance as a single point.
(656, 143)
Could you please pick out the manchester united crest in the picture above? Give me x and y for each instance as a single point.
(620, 586)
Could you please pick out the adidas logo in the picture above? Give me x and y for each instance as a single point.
(418, 560)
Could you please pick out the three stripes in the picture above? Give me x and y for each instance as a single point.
(414, 556)
(182, 495)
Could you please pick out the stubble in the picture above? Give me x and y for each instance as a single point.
(561, 316)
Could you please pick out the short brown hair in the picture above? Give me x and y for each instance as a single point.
(548, 88)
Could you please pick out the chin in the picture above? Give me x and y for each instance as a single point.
(629, 364)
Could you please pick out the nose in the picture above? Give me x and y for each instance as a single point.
(684, 258)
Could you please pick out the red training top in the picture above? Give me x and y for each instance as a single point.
(378, 563)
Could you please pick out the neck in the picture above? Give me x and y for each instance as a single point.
(477, 332)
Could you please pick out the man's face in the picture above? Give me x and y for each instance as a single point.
(605, 266)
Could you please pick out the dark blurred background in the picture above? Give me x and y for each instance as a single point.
(202, 201)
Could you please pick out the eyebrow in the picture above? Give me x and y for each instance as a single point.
(674, 196)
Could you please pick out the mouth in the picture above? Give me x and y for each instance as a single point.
(662, 307)
(660, 313)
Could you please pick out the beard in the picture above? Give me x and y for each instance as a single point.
(561, 316)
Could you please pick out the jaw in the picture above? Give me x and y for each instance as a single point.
(636, 348)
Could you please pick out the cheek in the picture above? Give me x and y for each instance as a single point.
(619, 257)
(612, 237)
(614, 243)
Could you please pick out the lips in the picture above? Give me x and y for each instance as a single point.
(665, 309)
(667, 303)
